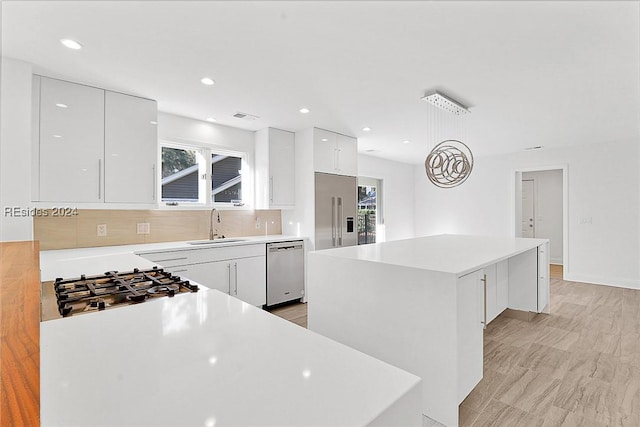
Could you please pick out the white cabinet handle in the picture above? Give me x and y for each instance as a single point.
(99, 179)
(271, 189)
(153, 188)
(229, 277)
(337, 159)
(484, 284)
(170, 259)
(235, 265)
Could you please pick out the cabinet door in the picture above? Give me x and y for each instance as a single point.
(249, 280)
(492, 291)
(213, 275)
(523, 281)
(347, 156)
(325, 153)
(470, 292)
(502, 285)
(71, 142)
(281, 168)
(130, 148)
(543, 277)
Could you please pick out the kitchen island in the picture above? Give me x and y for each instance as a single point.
(421, 304)
(204, 359)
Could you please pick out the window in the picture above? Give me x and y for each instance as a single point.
(226, 179)
(180, 175)
(369, 212)
(186, 175)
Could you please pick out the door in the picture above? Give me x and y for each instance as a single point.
(71, 142)
(528, 208)
(130, 147)
(248, 280)
(347, 211)
(368, 209)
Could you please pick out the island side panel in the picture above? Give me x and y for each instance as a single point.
(401, 315)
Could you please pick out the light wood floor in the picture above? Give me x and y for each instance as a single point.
(579, 366)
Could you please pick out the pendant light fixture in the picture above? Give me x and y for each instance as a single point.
(450, 161)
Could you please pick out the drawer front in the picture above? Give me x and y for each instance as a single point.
(169, 259)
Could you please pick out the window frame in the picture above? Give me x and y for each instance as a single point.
(205, 152)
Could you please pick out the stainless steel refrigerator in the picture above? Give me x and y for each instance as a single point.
(336, 204)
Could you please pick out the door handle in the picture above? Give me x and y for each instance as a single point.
(484, 290)
(341, 219)
(333, 221)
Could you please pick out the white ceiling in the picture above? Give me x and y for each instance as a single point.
(532, 73)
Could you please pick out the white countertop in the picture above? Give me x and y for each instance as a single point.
(446, 253)
(200, 359)
(69, 263)
(206, 359)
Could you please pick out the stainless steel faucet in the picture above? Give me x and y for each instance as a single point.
(212, 229)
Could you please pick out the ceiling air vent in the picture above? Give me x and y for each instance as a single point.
(245, 116)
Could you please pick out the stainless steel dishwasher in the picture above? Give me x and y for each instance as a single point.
(285, 271)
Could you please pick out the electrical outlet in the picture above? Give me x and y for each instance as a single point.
(258, 222)
(102, 230)
(143, 228)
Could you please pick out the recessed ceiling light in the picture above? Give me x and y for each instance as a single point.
(71, 44)
(366, 129)
(406, 141)
(62, 105)
(207, 81)
(211, 119)
(324, 139)
(57, 136)
(304, 110)
(153, 122)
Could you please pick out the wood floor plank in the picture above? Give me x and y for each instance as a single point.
(576, 367)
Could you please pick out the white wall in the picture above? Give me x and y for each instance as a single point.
(183, 129)
(603, 187)
(548, 209)
(397, 192)
(15, 148)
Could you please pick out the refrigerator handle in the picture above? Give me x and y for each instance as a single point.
(333, 220)
(341, 219)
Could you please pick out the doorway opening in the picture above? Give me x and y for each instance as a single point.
(541, 207)
(369, 210)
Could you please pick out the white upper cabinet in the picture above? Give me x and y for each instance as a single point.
(130, 148)
(335, 153)
(92, 145)
(275, 169)
(71, 147)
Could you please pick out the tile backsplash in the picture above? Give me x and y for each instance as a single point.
(80, 231)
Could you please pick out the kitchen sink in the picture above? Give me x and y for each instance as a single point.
(215, 242)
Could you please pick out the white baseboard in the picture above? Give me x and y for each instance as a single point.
(596, 280)
(556, 261)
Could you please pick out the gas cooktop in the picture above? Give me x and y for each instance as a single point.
(85, 294)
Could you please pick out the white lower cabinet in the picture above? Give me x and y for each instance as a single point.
(471, 319)
(497, 282)
(240, 271)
